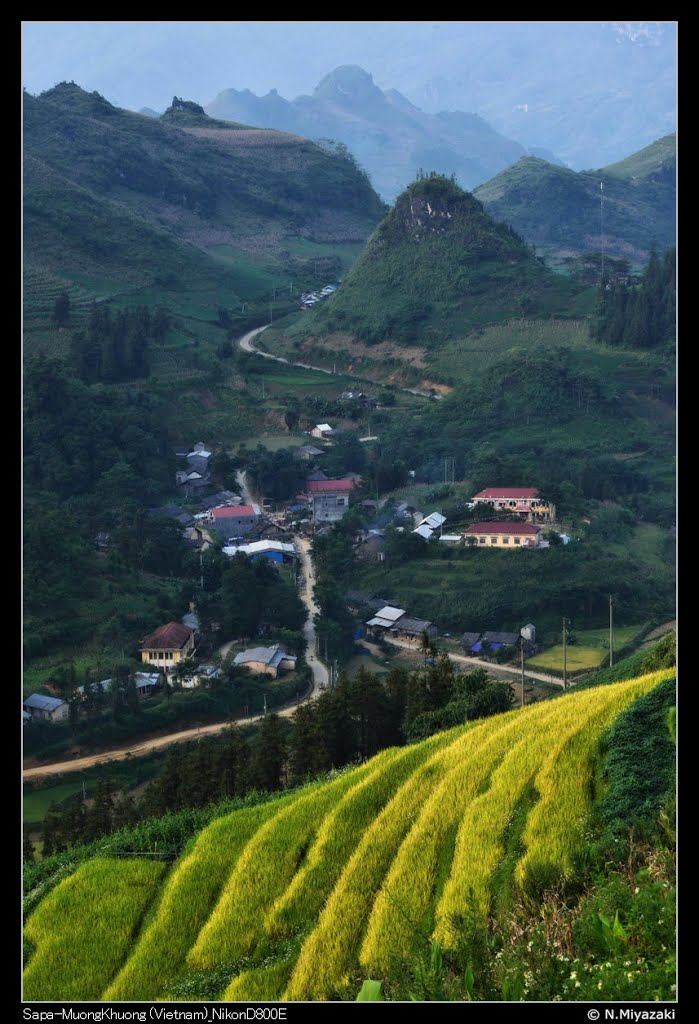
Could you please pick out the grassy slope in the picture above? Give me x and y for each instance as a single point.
(119, 197)
(558, 210)
(575, 722)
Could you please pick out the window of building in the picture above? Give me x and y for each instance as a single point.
(506, 540)
(501, 504)
(517, 540)
(493, 540)
(340, 502)
(481, 540)
(512, 504)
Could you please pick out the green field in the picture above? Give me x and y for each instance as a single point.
(590, 650)
(37, 803)
(304, 897)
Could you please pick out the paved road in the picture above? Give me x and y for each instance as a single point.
(246, 343)
(479, 662)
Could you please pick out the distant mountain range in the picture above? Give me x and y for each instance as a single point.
(589, 90)
(558, 210)
(390, 137)
(180, 202)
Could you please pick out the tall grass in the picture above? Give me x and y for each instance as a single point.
(480, 843)
(263, 872)
(329, 953)
(553, 831)
(84, 927)
(261, 984)
(297, 909)
(187, 900)
(399, 920)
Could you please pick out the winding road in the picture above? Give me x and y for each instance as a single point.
(247, 346)
(147, 746)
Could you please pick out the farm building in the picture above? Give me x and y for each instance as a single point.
(386, 617)
(234, 520)
(520, 501)
(329, 498)
(271, 550)
(322, 430)
(268, 661)
(429, 524)
(413, 628)
(504, 534)
(50, 709)
(168, 645)
(307, 452)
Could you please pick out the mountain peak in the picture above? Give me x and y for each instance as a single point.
(348, 84)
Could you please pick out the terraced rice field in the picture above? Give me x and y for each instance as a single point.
(302, 898)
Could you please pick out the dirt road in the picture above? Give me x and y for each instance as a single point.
(246, 343)
(479, 662)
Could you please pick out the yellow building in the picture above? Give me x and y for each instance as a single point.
(169, 644)
(503, 535)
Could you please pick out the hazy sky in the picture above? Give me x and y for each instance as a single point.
(524, 77)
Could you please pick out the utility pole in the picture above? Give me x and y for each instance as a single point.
(263, 391)
(611, 634)
(264, 696)
(270, 312)
(201, 571)
(521, 661)
(565, 666)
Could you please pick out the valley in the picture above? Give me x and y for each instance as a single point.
(349, 563)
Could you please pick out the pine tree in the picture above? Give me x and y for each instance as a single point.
(27, 849)
(270, 754)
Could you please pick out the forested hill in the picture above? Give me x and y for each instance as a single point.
(558, 210)
(437, 265)
(123, 198)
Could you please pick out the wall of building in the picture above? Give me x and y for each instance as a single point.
(504, 540)
(328, 508)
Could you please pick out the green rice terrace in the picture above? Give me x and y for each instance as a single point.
(408, 869)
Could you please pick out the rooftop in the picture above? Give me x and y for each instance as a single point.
(41, 703)
(329, 486)
(225, 511)
(508, 492)
(267, 655)
(171, 636)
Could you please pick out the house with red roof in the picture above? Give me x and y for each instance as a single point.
(524, 502)
(234, 520)
(503, 534)
(330, 498)
(167, 645)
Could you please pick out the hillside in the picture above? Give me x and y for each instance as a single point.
(121, 201)
(558, 210)
(430, 868)
(390, 136)
(437, 266)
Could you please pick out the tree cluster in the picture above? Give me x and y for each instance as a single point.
(642, 315)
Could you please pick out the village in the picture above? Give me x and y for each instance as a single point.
(506, 518)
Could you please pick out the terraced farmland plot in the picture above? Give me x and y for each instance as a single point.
(301, 898)
(84, 928)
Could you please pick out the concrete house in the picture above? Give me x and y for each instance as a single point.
(168, 645)
(524, 502)
(50, 709)
(329, 498)
(269, 661)
(507, 535)
(234, 520)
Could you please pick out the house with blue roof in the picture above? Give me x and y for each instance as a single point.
(50, 709)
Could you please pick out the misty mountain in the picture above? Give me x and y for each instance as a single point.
(590, 91)
(558, 210)
(391, 137)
